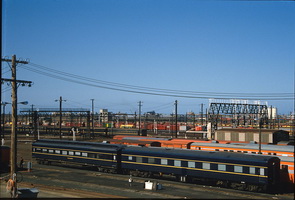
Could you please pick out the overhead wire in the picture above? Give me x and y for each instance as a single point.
(158, 89)
(46, 71)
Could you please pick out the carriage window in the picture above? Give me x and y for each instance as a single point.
(191, 164)
(164, 162)
(104, 156)
(77, 153)
(231, 150)
(129, 157)
(44, 150)
(245, 151)
(151, 160)
(57, 151)
(92, 155)
(84, 154)
(139, 159)
(38, 150)
(50, 151)
(206, 165)
(262, 171)
(71, 153)
(64, 152)
(114, 157)
(221, 167)
(177, 163)
(238, 169)
(252, 170)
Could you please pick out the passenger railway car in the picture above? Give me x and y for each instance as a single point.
(284, 152)
(135, 142)
(238, 171)
(106, 157)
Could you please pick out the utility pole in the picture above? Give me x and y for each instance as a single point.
(202, 114)
(259, 144)
(13, 81)
(176, 102)
(92, 100)
(2, 131)
(139, 115)
(33, 122)
(135, 118)
(32, 114)
(60, 114)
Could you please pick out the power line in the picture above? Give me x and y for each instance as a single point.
(148, 90)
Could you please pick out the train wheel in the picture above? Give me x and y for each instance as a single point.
(145, 175)
(125, 171)
(252, 188)
(135, 173)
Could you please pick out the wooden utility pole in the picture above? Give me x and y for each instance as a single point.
(2, 130)
(13, 150)
(14, 117)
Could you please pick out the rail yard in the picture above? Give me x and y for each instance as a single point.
(57, 180)
(147, 99)
(57, 156)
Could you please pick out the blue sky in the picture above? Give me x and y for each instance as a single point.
(202, 46)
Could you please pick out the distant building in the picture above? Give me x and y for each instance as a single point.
(271, 136)
(104, 115)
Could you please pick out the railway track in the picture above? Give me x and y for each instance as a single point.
(57, 181)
